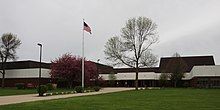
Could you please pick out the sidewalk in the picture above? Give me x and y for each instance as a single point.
(4, 100)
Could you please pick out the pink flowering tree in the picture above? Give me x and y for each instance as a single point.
(69, 68)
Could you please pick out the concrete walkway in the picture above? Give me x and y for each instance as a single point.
(4, 100)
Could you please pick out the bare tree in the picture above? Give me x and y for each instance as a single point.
(177, 67)
(163, 79)
(8, 45)
(133, 47)
(112, 78)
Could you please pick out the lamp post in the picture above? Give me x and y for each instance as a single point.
(39, 79)
(97, 67)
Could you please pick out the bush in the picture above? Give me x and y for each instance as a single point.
(79, 89)
(42, 89)
(89, 88)
(55, 93)
(50, 86)
(20, 85)
(96, 88)
(62, 83)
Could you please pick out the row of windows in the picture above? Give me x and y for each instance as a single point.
(206, 83)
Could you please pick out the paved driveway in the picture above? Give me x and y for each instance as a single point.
(4, 100)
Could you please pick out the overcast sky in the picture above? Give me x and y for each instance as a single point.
(189, 27)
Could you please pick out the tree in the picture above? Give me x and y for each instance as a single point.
(177, 67)
(133, 47)
(68, 68)
(112, 78)
(163, 79)
(8, 45)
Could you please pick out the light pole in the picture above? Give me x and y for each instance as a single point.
(39, 79)
(97, 67)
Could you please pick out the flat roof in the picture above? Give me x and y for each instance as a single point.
(25, 64)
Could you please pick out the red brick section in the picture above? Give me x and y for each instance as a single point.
(209, 82)
(10, 82)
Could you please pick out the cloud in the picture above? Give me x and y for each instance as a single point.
(202, 42)
(57, 24)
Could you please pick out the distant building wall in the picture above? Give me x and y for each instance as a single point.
(207, 71)
(26, 73)
(199, 76)
(206, 76)
(201, 72)
(141, 76)
(29, 75)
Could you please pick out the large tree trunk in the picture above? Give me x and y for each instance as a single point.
(3, 78)
(175, 83)
(136, 77)
(3, 75)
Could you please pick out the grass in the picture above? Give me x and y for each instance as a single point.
(165, 99)
(15, 91)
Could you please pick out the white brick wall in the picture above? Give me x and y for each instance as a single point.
(206, 71)
(26, 73)
(195, 72)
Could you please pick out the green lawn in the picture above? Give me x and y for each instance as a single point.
(165, 99)
(15, 91)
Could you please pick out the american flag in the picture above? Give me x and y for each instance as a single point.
(87, 28)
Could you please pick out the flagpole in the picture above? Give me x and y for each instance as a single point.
(83, 56)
